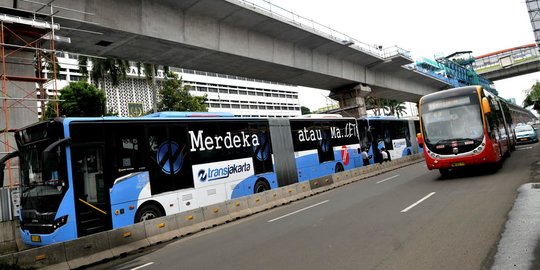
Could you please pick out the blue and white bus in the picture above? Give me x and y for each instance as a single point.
(394, 134)
(81, 176)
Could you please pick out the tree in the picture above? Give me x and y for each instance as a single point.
(176, 97)
(533, 98)
(79, 99)
(305, 110)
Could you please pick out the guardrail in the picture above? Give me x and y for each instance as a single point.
(283, 14)
(110, 244)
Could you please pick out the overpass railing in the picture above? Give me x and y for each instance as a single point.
(323, 30)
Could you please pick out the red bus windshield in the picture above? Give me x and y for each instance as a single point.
(452, 119)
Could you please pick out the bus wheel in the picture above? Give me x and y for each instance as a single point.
(339, 168)
(261, 186)
(147, 212)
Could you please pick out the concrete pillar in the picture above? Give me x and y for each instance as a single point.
(351, 101)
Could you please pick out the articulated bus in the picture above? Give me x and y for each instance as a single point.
(465, 126)
(81, 176)
(394, 134)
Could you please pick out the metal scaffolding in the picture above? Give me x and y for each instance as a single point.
(533, 6)
(27, 47)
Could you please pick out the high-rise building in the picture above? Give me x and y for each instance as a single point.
(241, 96)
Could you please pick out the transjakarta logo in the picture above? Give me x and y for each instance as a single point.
(203, 143)
(216, 173)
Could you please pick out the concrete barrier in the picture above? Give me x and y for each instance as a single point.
(275, 198)
(87, 250)
(8, 232)
(190, 222)
(216, 214)
(126, 239)
(343, 178)
(355, 173)
(257, 202)
(303, 190)
(290, 193)
(321, 184)
(7, 259)
(161, 229)
(46, 257)
(238, 208)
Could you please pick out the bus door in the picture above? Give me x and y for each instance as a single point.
(91, 193)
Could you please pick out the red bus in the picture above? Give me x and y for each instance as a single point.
(465, 126)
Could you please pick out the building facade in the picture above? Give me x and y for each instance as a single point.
(240, 96)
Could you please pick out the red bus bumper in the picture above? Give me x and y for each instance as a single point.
(460, 161)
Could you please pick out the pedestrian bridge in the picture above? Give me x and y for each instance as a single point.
(508, 63)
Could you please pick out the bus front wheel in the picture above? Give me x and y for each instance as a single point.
(261, 186)
(147, 212)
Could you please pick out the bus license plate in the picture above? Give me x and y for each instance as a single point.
(458, 164)
(35, 238)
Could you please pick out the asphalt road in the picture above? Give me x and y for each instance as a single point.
(408, 218)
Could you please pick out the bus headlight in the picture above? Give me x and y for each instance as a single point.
(59, 222)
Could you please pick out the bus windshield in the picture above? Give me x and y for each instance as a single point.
(43, 182)
(452, 119)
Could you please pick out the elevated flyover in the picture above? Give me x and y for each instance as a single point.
(232, 37)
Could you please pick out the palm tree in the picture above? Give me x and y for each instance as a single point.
(395, 107)
(115, 68)
(373, 103)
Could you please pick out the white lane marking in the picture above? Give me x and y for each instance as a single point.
(391, 177)
(144, 265)
(523, 148)
(298, 211)
(416, 203)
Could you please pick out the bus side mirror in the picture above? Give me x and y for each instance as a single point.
(485, 105)
(420, 139)
(3, 163)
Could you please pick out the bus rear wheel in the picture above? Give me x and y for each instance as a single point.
(147, 212)
(261, 186)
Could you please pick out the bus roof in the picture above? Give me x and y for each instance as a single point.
(319, 115)
(187, 114)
